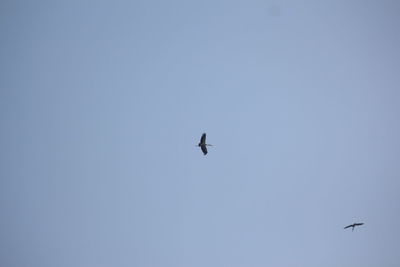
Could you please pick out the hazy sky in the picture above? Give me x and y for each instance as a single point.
(102, 104)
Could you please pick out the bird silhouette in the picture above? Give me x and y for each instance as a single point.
(203, 144)
(353, 225)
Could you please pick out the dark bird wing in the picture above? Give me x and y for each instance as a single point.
(204, 149)
(348, 226)
(358, 224)
(203, 139)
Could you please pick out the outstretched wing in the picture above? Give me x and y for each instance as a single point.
(203, 139)
(204, 149)
(348, 226)
(358, 224)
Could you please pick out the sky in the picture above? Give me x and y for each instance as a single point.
(102, 104)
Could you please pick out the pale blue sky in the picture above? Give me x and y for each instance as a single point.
(103, 102)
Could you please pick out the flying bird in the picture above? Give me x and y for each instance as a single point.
(353, 225)
(203, 144)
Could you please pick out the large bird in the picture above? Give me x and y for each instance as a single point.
(203, 144)
(353, 225)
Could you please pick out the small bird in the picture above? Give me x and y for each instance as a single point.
(353, 225)
(203, 144)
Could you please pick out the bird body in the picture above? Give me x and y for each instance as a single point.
(353, 225)
(203, 144)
